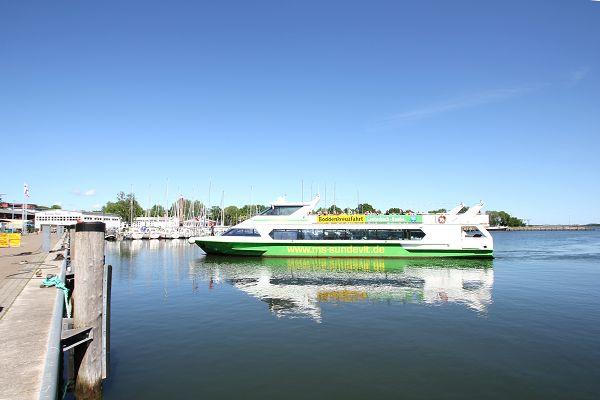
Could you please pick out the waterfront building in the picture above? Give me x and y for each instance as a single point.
(11, 215)
(66, 218)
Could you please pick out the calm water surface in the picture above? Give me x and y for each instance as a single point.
(525, 325)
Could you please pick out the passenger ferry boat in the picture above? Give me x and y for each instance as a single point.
(293, 230)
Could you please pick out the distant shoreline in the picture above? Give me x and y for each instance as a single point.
(544, 228)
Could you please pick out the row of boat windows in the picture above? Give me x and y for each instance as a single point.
(241, 232)
(333, 234)
(347, 234)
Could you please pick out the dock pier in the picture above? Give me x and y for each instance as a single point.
(35, 325)
(551, 228)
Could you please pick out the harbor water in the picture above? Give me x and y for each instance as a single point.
(524, 325)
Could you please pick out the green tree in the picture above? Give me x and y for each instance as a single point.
(394, 210)
(250, 210)
(231, 215)
(215, 213)
(157, 211)
(438, 211)
(333, 209)
(55, 207)
(122, 207)
(365, 207)
(502, 218)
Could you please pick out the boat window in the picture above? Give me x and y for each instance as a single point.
(284, 234)
(311, 234)
(385, 234)
(335, 234)
(359, 234)
(281, 210)
(472, 231)
(414, 234)
(347, 234)
(241, 232)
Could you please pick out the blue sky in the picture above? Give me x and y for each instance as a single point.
(414, 104)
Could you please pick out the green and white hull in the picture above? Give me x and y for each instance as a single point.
(292, 230)
(330, 249)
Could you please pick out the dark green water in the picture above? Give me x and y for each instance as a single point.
(525, 325)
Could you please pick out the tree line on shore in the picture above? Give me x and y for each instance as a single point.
(126, 206)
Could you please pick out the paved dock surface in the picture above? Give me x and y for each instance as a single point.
(26, 317)
(17, 265)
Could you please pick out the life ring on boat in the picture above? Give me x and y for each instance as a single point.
(442, 219)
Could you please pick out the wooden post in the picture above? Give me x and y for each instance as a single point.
(87, 298)
(71, 247)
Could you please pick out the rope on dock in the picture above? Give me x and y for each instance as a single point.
(54, 280)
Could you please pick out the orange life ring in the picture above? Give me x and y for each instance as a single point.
(442, 219)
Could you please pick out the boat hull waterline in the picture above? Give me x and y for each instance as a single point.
(336, 249)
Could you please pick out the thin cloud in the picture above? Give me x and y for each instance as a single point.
(578, 75)
(87, 193)
(457, 103)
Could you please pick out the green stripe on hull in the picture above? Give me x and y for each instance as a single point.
(331, 250)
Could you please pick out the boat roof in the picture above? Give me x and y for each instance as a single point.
(281, 201)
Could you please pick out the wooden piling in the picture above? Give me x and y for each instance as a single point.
(88, 262)
(71, 232)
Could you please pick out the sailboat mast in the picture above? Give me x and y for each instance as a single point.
(209, 206)
(222, 209)
(167, 200)
(334, 206)
(131, 206)
(251, 210)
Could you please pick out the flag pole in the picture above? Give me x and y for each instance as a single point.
(24, 210)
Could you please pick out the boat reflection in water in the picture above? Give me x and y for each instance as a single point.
(296, 287)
